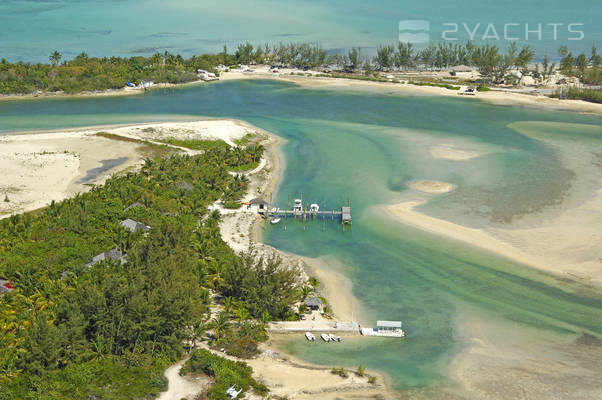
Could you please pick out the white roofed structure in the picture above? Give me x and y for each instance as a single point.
(388, 324)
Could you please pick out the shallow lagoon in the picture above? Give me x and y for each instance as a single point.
(366, 146)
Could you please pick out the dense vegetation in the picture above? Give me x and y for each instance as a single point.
(226, 373)
(591, 95)
(84, 73)
(70, 331)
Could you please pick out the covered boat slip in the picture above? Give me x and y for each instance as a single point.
(385, 329)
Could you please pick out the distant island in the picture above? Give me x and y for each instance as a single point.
(573, 77)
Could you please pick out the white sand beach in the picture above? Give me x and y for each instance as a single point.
(39, 168)
(494, 96)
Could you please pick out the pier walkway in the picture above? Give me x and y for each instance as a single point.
(344, 214)
(313, 326)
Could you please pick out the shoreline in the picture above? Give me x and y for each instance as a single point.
(244, 230)
(502, 98)
(125, 91)
(44, 166)
(496, 97)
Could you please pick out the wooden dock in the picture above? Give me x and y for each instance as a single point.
(344, 214)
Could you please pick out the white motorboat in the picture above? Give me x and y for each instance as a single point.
(314, 208)
(232, 392)
(274, 221)
(334, 338)
(298, 207)
(310, 336)
(325, 337)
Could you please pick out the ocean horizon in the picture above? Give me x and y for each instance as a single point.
(31, 30)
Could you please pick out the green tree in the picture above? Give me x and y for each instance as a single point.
(404, 57)
(385, 57)
(353, 59)
(221, 325)
(54, 58)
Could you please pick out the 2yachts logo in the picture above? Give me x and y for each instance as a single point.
(418, 31)
(414, 31)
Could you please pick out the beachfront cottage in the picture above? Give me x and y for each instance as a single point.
(314, 303)
(112, 254)
(134, 226)
(258, 205)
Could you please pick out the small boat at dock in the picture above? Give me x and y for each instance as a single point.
(334, 338)
(325, 337)
(310, 336)
(385, 329)
(274, 221)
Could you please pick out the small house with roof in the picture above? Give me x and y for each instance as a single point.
(112, 254)
(314, 303)
(258, 205)
(134, 226)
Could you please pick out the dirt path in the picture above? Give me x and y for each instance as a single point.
(181, 387)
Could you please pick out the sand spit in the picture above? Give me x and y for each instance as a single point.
(563, 246)
(39, 168)
(448, 152)
(434, 187)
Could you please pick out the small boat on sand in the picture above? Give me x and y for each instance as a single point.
(310, 336)
(274, 221)
(325, 337)
(334, 338)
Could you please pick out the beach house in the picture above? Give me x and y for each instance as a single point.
(134, 226)
(314, 303)
(258, 205)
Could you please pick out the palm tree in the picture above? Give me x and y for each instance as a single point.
(228, 304)
(55, 57)
(195, 333)
(306, 291)
(220, 324)
(242, 314)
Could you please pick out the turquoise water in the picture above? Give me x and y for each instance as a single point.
(366, 146)
(31, 30)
